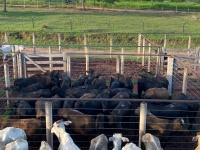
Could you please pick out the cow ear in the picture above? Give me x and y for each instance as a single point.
(194, 138)
(52, 130)
(124, 139)
(111, 139)
(67, 122)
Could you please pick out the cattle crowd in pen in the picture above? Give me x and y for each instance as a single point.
(97, 119)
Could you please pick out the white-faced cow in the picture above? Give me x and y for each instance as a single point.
(66, 142)
(19, 144)
(99, 143)
(10, 134)
(151, 142)
(117, 139)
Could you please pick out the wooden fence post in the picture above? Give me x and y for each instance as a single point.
(165, 43)
(34, 43)
(122, 62)
(86, 49)
(158, 62)
(189, 44)
(68, 65)
(14, 62)
(118, 64)
(149, 58)
(6, 37)
(23, 64)
(19, 61)
(59, 43)
(111, 45)
(142, 125)
(143, 51)
(185, 76)
(50, 59)
(49, 122)
(64, 61)
(162, 60)
(197, 55)
(139, 44)
(170, 65)
(7, 81)
(174, 77)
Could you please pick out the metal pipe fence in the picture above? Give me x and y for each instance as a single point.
(130, 123)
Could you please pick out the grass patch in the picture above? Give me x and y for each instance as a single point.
(8, 113)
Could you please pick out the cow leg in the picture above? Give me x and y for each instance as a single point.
(118, 121)
(100, 122)
(140, 89)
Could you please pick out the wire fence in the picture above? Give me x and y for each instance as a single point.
(101, 41)
(83, 132)
(104, 64)
(77, 4)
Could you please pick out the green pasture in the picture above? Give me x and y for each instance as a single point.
(186, 6)
(148, 5)
(98, 25)
(56, 20)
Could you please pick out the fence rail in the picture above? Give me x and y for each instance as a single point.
(134, 125)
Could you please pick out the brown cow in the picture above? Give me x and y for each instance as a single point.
(34, 128)
(156, 93)
(81, 123)
(163, 128)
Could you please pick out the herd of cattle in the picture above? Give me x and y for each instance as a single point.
(15, 139)
(111, 114)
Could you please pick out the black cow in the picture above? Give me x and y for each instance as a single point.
(69, 103)
(121, 81)
(192, 108)
(120, 111)
(108, 105)
(33, 87)
(175, 110)
(170, 111)
(40, 107)
(23, 82)
(24, 110)
(145, 83)
(89, 107)
(99, 83)
(80, 81)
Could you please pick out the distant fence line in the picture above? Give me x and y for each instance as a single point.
(77, 4)
(20, 67)
(85, 43)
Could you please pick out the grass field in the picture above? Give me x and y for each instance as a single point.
(187, 6)
(57, 20)
(20, 22)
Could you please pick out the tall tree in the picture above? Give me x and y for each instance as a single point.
(4, 6)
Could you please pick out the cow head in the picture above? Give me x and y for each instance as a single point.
(179, 125)
(117, 140)
(59, 125)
